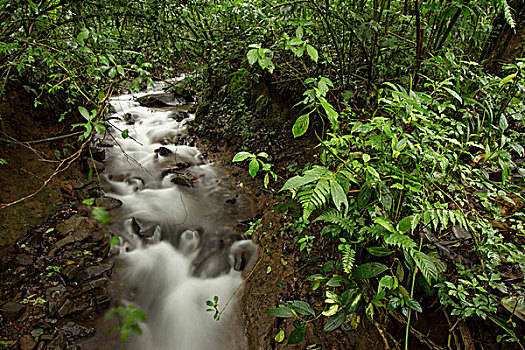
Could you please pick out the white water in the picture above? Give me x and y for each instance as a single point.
(192, 251)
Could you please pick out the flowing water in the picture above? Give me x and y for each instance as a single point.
(179, 226)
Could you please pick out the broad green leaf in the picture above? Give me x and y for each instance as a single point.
(338, 194)
(507, 79)
(379, 251)
(297, 335)
(414, 305)
(101, 215)
(89, 202)
(334, 322)
(125, 133)
(408, 223)
(241, 156)
(120, 70)
(454, 94)
(279, 337)
(253, 167)
(332, 310)
(364, 196)
(281, 311)
(84, 112)
(312, 52)
(299, 32)
(301, 307)
(301, 125)
(386, 224)
(252, 56)
(369, 270)
(503, 124)
(112, 72)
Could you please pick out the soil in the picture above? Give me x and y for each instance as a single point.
(54, 259)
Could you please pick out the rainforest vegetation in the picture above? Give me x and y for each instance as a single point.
(411, 112)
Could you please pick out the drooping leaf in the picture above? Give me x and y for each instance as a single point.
(365, 193)
(253, 167)
(338, 195)
(379, 251)
(241, 156)
(281, 311)
(101, 215)
(369, 270)
(252, 56)
(312, 52)
(425, 264)
(301, 307)
(334, 322)
(84, 112)
(301, 125)
(297, 335)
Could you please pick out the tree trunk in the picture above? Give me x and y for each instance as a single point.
(504, 43)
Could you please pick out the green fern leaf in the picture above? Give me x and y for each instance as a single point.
(401, 241)
(425, 264)
(337, 218)
(348, 258)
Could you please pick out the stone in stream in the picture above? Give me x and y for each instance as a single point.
(179, 115)
(159, 100)
(142, 227)
(163, 151)
(74, 331)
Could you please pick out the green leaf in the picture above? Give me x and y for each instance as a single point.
(386, 224)
(112, 72)
(454, 94)
(334, 322)
(301, 125)
(253, 167)
(125, 133)
(425, 264)
(364, 196)
(507, 79)
(408, 223)
(241, 156)
(379, 251)
(252, 56)
(312, 52)
(279, 337)
(89, 202)
(120, 70)
(302, 308)
(84, 112)
(369, 270)
(281, 311)
(297, 335)
(114, 241)
(413, 304)
(101, 215)
(299, 32)
(503, 124)
(338, 194)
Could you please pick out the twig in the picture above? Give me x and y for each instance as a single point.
(383, 336)
(423, 338)
(451, 331)
(23, 143)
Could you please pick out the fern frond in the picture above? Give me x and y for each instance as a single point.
(314, 198)
(507, 12)
(348, 258)
(425, 264)
(337, 218)
(400, 240)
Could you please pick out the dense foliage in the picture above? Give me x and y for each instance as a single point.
(418, 184)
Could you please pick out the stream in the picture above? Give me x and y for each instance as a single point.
(180, 226)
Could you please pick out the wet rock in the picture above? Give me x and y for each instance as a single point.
(109, 203)
(93, 271)
(182, 180)
(91, 285)
(55, 297)
(98, 154)
(163, 151)
(179, 115)
(130, 118)
(102, 298)
(74, 331)
(92, 164)
(142, 227)
(27, 342)
(460, 233)
(24, 259)
(58, 343)
(158, 100)
(79, 228)
(11, 310)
